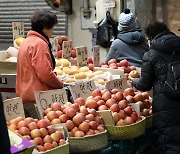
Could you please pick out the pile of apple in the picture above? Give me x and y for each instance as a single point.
(40, 132)
(141, 98)
(80, 121)
(115, 101)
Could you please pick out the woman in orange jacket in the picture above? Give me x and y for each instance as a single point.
(35, 61)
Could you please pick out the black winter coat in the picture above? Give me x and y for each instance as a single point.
(166, 111)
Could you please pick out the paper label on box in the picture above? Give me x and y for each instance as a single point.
(82, 56)
(136, 107)
(120, 84)
(96, 52)
(45, 99)
(83, 89)
(54, 44)
(67, 49)
(13, 108)
(107, 117)
(18, 29)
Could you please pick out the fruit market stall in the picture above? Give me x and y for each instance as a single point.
(97, 111)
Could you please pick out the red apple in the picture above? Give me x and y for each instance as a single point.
(52, 115)
(35, 133)
(90, 60)
(80, 101)
(48, 146)
(59, 54)
(70, 112)
(101, 102)
(79, 134)
(145, 95)
(106, 96)
(55, 137)
(56, 106)
(128, 120)
(123, 63)
(112, 61)
(73, 53)
(128, 110)
(121, 122)
(84, 126)
(78, 119)
(42, 123)
(32, 126)
(24, 131)
(122, 114)
(43, 131)
(92, 104)
(96, 92)
(138, 97)
(115, 108)
(110, 102)
(129, 91)
(102, 107)
(70, 125)
(91, 66)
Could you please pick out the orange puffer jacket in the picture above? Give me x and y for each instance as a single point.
(34, 68)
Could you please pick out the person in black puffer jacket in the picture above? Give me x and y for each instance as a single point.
(166, 111)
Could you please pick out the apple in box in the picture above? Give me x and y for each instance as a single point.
(134, 74)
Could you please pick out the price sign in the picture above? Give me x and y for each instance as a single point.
(67, 49)
(83, 89)
(96, 53)
(45, 99)
(13, 108)
(82, 56)
(136, 107)
(120, 84)
(18, 29)
(54, 44)
(107, 117)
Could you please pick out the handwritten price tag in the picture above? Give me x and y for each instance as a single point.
(18, 29)
(96, 51)
(13, 108)
(82, 56)
(67, 49)
(120, 84)
(54, 44)
(83, 89)
(45, 99)
(107, 117)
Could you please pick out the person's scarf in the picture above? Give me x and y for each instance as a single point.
(50, 47)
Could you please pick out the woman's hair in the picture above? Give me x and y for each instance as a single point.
(153, 29)
(43, 19)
